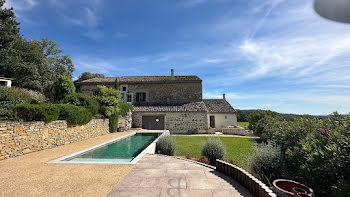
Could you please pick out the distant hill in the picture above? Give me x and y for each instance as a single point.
(242, 115)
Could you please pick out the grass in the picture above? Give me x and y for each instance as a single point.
(238, 149)
(243, 124)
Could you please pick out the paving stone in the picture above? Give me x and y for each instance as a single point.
(135, 192)
(194, 183)
(186, 173)
(164, 182)
(156, 175)
(185, 193)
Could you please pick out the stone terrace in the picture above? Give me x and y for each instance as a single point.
(156, 175)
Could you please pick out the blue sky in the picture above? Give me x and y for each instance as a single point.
(267, 54)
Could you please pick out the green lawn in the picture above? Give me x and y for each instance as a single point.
(243, 124)
(238, 149)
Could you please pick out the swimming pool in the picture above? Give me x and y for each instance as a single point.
(124, 150)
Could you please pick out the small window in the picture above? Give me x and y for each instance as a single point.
(124, 88)
(129, 98)
(141, 97)
(225, 117)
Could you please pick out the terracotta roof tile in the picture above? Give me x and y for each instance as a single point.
(218, 106)
(143, 79)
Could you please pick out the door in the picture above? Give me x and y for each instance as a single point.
(212, 121)
(153, 122)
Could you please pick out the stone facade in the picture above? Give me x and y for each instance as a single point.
(223, 120)
(18, 138)
(168, 92)
(90, 89)
(157, 92)
(177, 122)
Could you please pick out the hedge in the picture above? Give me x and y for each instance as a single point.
(75, 114)
(51, 112)
(36, 112)
(82, 100)
(10, 97)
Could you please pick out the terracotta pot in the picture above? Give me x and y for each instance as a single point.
(284, 188)
(297, 191)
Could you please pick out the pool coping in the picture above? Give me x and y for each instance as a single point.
(149, 149)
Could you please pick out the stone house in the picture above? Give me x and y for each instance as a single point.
(169, 102)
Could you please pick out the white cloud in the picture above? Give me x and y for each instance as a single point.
(20, 5)
(120, 35)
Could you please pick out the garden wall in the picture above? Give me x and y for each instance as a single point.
(255, 187)
(18, 138)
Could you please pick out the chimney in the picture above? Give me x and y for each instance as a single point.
(172, 74)
(224, 96)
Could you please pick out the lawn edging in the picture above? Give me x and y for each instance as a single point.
(255, 186)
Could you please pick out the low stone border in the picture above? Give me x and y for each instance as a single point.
(256, 187)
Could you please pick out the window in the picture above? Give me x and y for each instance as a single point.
(141, 97)
(129, 98)
(123, 88)
(225, 117)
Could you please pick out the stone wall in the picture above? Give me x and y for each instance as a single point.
(168, 92)
(223, 120)
(157, 92)
(125, 123)
(177, 122)
(90, 89)
(18, 138)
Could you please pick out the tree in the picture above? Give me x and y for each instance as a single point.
(63, 86)
(110, 105)
(89, 75)
(61, 63)
(258, 115)
(34, 65)
(9, 29)
(85, 76)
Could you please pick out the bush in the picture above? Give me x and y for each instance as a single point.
(166, 145)
(63, 86)
(214, 149)
(10, 97)
(266, 161)
(51, 112)
(82, 100)
(36, 112)
(125, 108)
(108, 99)
(256, 116)
(316, 151)
(75, 114)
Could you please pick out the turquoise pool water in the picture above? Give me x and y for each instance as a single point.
(124, 150)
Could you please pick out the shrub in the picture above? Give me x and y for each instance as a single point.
(214, 149)
(82, 100)
(113, 123)
(75, 114)
(125, 108)
(256, 116)
(108, 99)
(166, 145)
(266, 161)
(10, 97)
(36, 112)
(63, 86)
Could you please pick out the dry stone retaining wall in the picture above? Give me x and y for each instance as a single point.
(18, 138)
